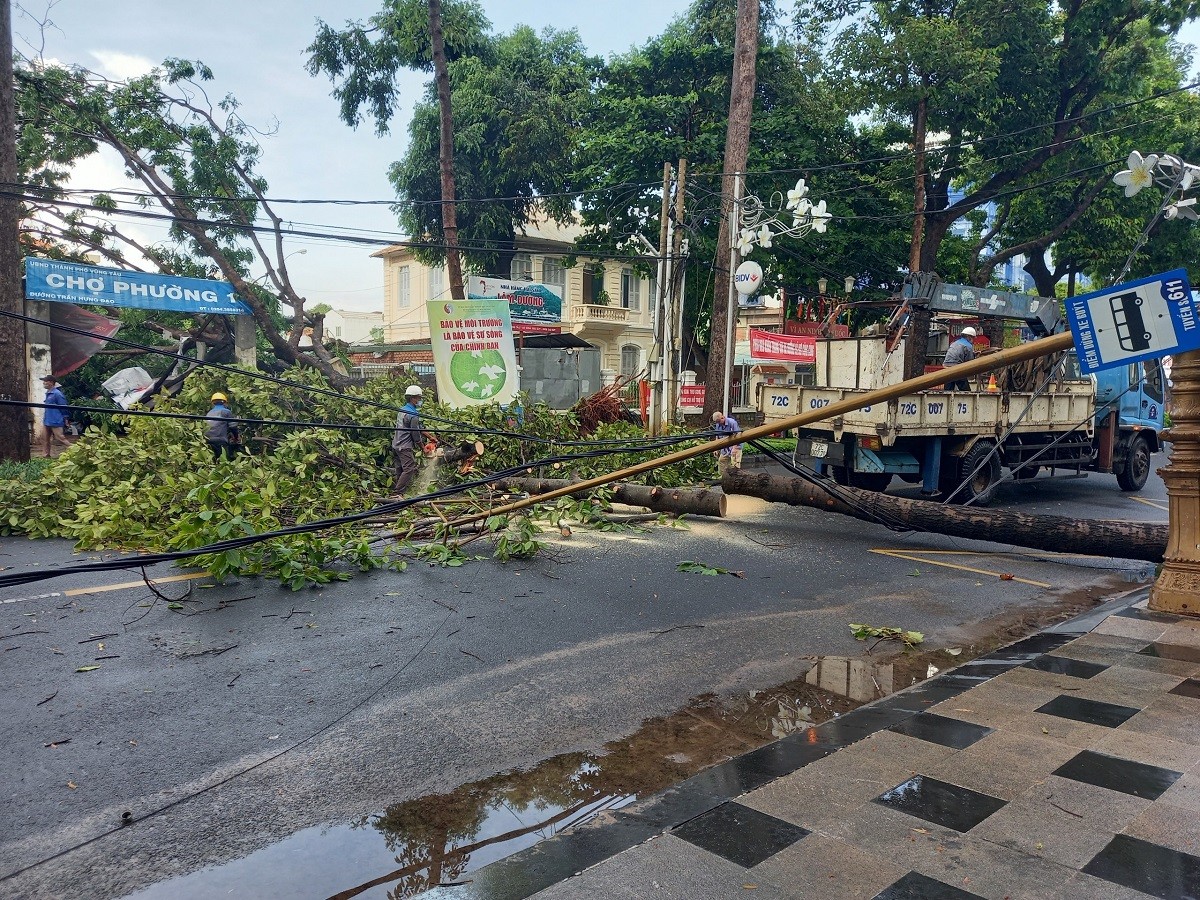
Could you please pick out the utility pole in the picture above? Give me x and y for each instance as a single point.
(658, 353)
(14, 378)
(674, 342)
(441, 76)
(737, 149)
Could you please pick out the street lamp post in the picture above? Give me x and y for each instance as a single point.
(761, 224)
(1177, 589)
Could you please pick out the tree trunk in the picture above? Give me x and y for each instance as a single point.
(1122, 540)
(14, 377)
(467, 450)
(1043, 279)
(676, 501)
(916, 341)
(737, 149)
(919, 123)
(441, 76)
(936, 228)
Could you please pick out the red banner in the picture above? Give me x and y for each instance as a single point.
(691, 395)
(522, 327)
(787, 347)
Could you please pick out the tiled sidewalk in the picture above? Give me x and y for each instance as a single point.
(1064, 766)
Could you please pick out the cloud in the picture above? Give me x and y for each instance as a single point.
(119, 66)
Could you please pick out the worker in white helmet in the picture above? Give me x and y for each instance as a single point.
(408, 438)
(961, 351)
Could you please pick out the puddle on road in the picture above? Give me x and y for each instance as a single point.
(412, 846)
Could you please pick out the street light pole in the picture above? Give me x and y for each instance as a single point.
(732, 309)
(1177, 588)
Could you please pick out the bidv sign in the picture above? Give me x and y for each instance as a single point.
(1141, 319)
(747, 278)
(63, 282)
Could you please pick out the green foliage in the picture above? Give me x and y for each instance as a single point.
(516, 539)
(363, 60)
(139, 483)
(866, 632)
(698, 568)
(518, 111)
(1038, 83)
(25, 472)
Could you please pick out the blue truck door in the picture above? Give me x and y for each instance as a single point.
(1142, 404)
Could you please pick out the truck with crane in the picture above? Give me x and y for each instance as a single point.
(1038, 415)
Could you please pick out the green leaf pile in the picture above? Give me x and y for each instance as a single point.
(137, 483)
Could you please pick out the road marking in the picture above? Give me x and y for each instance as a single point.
(1154, 503)
(103, 588)
(34, 597)
(100, 589)
(883, 551)
(1013, 553)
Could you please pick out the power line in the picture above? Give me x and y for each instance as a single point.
(463, 427)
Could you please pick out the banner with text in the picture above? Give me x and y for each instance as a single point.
(473, 353)
(534, 308)
(786, 347)
(65, 282)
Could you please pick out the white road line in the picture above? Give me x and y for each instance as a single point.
(33, 597)
(102, 588)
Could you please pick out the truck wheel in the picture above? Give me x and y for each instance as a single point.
(1025, 474)
(1137, 465)
(864, 481)
(979, 488)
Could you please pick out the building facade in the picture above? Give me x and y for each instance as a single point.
(351, 325)
(606, 303)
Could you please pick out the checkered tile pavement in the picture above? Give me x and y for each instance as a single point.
(1064, 766)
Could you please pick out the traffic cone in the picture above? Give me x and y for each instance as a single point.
(992, 387)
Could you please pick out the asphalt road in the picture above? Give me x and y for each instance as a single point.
(250, 712)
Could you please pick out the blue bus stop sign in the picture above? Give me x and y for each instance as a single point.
(1142, 319)
(66, 282)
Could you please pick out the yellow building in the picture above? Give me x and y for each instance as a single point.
(605, 303)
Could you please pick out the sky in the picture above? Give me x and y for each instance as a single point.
(256, 50)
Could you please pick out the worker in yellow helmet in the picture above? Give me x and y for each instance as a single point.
(221, 432)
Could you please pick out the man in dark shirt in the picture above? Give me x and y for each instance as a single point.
(220, 432)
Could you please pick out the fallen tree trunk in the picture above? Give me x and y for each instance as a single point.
(676, 501)
(1123, 540)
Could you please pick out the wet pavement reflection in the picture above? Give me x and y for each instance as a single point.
(412, 846)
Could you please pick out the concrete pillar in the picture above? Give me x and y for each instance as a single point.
(1177, 589)
(245, 337)
(37, 361)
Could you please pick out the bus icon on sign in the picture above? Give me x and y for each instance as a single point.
(1131, 327)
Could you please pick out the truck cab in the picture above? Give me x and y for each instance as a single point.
(1129, 407)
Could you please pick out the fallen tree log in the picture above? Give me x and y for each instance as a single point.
(1123, 540)
(676, 501)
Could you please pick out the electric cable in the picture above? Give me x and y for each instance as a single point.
(14, 579)
(467, 427)
(464, 428)
(831, 487)
(371, 695)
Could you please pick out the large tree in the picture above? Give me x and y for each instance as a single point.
(520, 109)
(193, 163)
(1007, 86)
(669, 99)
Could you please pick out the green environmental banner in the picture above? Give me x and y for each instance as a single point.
(473, 352)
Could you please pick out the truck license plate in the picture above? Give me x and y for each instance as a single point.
(818, 449)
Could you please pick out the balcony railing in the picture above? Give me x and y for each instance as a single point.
(595, 314)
